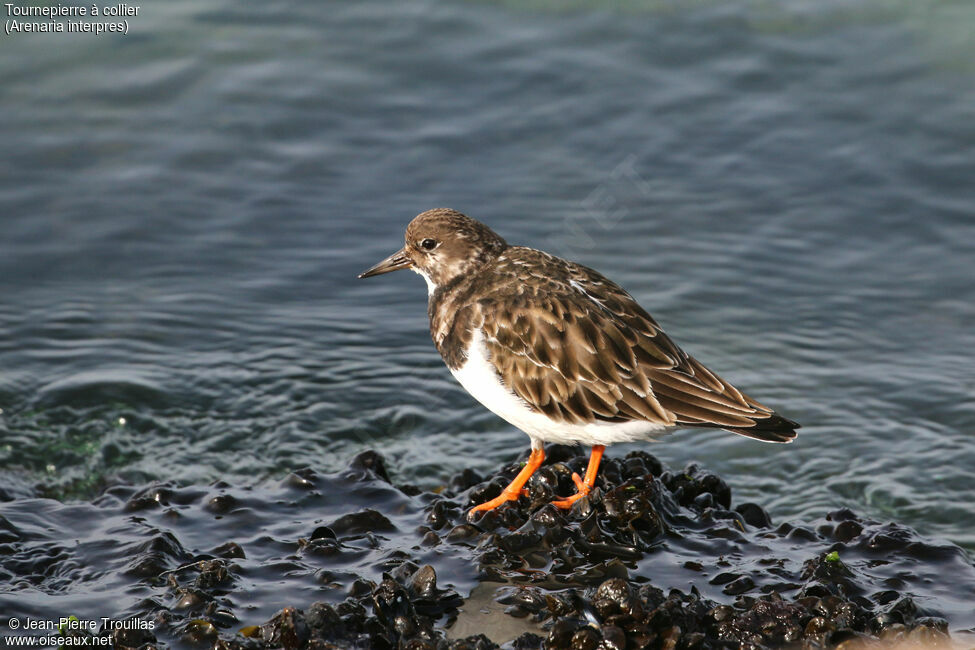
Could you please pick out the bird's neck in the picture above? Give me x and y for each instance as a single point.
(431, 285)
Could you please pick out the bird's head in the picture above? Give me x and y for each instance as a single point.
(441, 245)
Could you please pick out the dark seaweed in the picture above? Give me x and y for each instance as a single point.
(652, 559)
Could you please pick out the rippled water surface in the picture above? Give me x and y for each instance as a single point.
(788, 187)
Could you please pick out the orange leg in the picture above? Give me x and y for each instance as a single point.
(583, 487)
(514, 489)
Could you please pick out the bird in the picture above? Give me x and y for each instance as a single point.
(561, 352)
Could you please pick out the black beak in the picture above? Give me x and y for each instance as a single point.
(394, 262)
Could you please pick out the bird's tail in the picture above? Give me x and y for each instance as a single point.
(773, 428)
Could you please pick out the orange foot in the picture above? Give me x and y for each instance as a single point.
(581, 490)
(583, 487)
(505, 496)
(516, 488)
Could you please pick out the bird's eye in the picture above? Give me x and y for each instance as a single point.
(428, 244)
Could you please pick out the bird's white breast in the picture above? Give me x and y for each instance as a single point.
(479, 377)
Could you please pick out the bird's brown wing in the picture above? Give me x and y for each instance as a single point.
(579, 349)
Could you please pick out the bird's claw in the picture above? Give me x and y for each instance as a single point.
(580, 484)
(504, 497)
(568, 502)
(583, 490)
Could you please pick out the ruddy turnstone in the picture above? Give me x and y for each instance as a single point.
(560, 351)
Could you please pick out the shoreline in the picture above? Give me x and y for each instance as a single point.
(653, 558)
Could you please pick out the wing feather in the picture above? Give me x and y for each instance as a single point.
(579, 349)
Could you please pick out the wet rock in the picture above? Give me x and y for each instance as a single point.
(738, 586)
(229, 550)
(213, 573)
(754, 515)
(222, 504)
(322, 618)
(630, 519)
(693, 482)
(423, 583)
(366, 521)
(157, 555)
(394, 609)
(190, 599)
(847, 530)
(130, 636)
(199, 631)
(563, 632)
(585, 638)
(466, 479)
(372, 463)
(614, 638)
(476, 642)
(288, 629)
(528, 641)
(462, 532)
(323, 532)
(652, 558)
(438, 514)
(153, 496)
(301, 480)
(361, 588)
(324, 547)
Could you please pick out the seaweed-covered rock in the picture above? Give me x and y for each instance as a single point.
(653, 558)
(580, 579)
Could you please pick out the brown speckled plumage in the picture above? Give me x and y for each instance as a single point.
(578, 348)
(567, 341)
